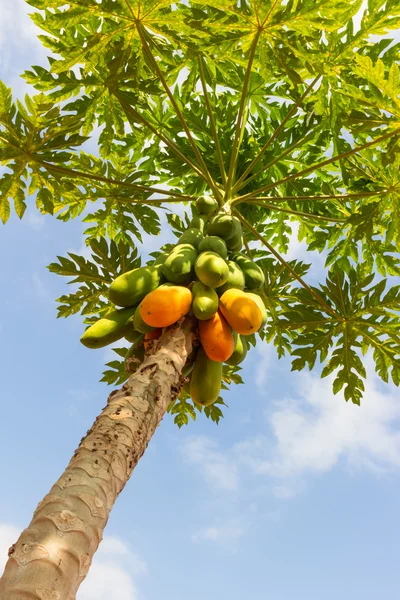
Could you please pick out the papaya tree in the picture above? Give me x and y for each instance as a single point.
(244, 123)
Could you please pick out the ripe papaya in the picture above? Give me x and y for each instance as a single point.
(189, 364)
(241, 311)
(222, 225)
(216, 338)
(198, 222)
(206, 380)
(191, 236)
(213, 243)
(252, 273)
(206, 205)
(108, 329)
(261, 306)
(166, 305)
(240, 351)
(139, 324)
(211, 269)
(235, 278)
(152, 335)
(131, 287)
(205, 301)
(179, 264)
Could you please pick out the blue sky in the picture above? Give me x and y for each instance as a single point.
(294, 495)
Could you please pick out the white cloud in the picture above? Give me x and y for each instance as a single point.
(8, 536)
(217, 469)
(267, 355)
(112, 574)
(316, 430)
(226, 535)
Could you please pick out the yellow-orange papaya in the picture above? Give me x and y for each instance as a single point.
(166, 305)
(241, 311)
(216, 338)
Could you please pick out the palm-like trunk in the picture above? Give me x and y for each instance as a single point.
(53, 555)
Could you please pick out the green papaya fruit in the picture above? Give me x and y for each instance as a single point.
(191, 236)
(227, 227)
(235, 278)
(260, 303)
(131, 287)
(198, 222)
(205, 301)
(221, 225)
(206, 381)
(211, 269)
(240, 351)
(179, 264)
(160, 260)
(213, 243)
(139, 324)
(206, 205)
(132, 335)
(235, 238)
(253, 275)
(189, 364)
(108, 329)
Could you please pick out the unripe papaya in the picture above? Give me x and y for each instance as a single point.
(241, 311)
(206, 205)
(139, 324)
(211, 269)
(198, 222)
(235, 239)
(213, 243)
(235, 278)
(252, 273)
(160, 260)
(216, 338)
(108, 329)
(261, 306)
(189, 364)
(151, 335)
(191, 236)
(240, 351)
(166, 305)
(132, 335)
(131, 287)
(206, 381)
(222, 225)
(179, 264)
(205, 301)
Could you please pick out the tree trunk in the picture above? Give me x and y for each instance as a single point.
(53, 555)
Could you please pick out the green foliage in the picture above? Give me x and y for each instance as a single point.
(281, 110)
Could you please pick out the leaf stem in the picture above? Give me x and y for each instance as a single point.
(212, 121)
(345, 197)
(273, 137)
(179, 114)
(239, 124)
(316, 166)
(140, 188)
(280, 258)
(297, 212)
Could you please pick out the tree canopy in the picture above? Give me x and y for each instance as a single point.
(284, 111)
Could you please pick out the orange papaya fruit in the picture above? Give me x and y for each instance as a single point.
(206, 380)
(166, 305)
(151, 335)
(216, 338)
(241, 311)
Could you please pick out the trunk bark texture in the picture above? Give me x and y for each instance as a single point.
(53, 555)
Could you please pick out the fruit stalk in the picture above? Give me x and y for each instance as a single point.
(53, 555)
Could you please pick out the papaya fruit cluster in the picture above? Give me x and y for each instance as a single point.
(205, 274)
